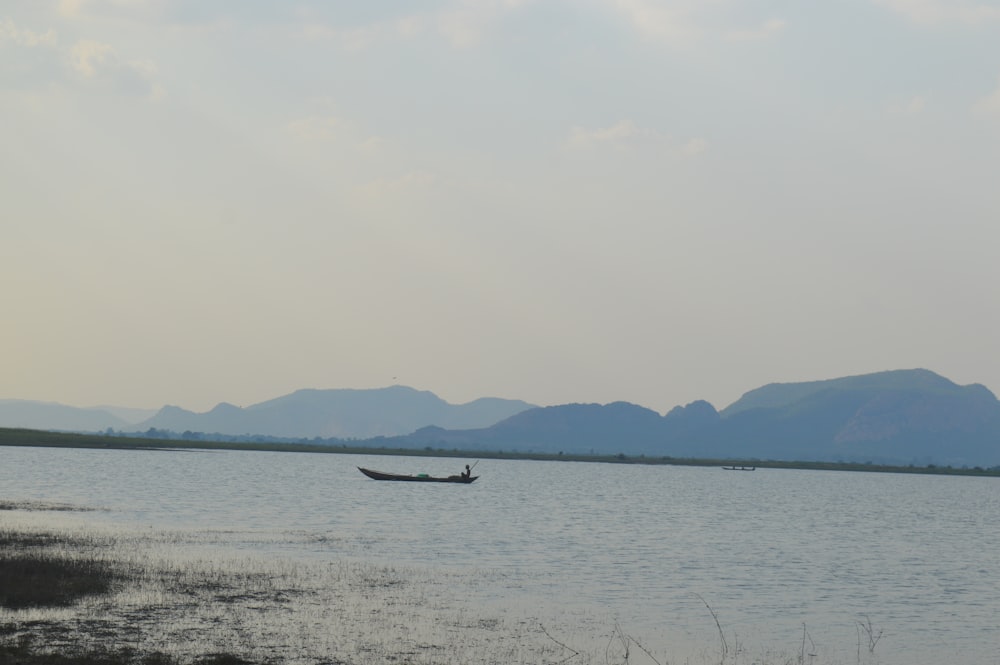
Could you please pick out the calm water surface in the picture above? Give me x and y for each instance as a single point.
(772, 552)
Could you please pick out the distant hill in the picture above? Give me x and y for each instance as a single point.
(609, 429)
(338, 413)
(571, 427)
(51, 416)
(128, 414)
(912, 416)
(899, 417)
(777, 395)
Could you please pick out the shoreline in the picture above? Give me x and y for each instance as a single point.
(48, 439)
(77, 593)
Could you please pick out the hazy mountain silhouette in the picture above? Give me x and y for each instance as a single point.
(52, 416)
(339, 413)
(912, 416)
(901, 417)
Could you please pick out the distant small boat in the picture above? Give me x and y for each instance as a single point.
(740, 468)
(419, 478)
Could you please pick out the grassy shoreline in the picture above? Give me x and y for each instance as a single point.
(149, 599)
(40, 438)
(51, 583)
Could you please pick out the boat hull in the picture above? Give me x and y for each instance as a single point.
(378, 475)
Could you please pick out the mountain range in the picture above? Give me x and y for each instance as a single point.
(340, 414)
(303, 414)
(895, 417)
(32, 414)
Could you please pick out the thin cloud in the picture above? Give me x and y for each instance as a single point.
(626, 135)
(683, 23)
(766, 30)
(98, 62)
(43, 61)
(321, 130)
(70, 8)
(989, 105)
(468, 22)
(463, 24)
(912, 106)
(694, 147)
(932, 12)
(316, 128)
(389, 191)
(672, 22)
(373, 146)
(623, 133)
(29, 60)
(11, 34)
(357, 38)
(87, 57)
(78, 9)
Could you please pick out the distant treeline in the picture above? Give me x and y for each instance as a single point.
(146, 441)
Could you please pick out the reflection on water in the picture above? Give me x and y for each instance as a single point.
(770, 552)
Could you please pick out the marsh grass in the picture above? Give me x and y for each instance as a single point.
(37, 580)
(43, 505)
(45, 569)
(155, 598)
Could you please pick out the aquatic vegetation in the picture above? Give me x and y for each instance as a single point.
(163, 598)
(30, 580)
(41, 505)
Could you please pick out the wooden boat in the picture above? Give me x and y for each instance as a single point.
(419, 478)
(740, 468)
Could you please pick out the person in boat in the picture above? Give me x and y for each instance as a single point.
(467, 473)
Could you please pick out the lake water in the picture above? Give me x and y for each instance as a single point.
(775, 554)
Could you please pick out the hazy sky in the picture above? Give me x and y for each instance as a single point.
(557, 201)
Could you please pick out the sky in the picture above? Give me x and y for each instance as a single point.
(652, 201)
